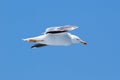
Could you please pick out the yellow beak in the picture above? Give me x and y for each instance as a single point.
(85, 43)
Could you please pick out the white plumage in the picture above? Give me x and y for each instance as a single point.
(58, 36)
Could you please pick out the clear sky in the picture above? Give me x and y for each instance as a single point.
(99, 25)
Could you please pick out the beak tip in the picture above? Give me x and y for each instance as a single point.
(85, 43)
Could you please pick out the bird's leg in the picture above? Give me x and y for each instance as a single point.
(34, 40)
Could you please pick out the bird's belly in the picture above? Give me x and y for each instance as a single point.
(58, 40)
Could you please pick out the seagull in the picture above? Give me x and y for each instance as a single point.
(56, 36)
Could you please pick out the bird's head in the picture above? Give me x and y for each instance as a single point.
(76, 39)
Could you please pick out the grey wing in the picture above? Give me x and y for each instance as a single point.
(60, 29)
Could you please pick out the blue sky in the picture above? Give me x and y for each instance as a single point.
(98, 22)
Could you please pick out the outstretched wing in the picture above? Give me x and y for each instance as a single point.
(60, 29)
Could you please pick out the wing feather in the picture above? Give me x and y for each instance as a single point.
(60, 29)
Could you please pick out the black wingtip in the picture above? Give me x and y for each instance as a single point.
(33, 47)
(55, 32)
(38, 45)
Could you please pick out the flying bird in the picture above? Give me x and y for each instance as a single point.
(56, 36)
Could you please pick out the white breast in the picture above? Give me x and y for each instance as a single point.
(58, 39)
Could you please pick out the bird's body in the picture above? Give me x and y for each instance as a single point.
(57, 36)
(55, 39)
